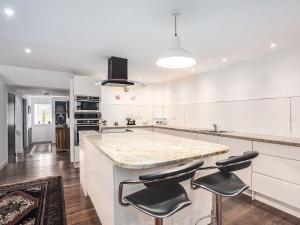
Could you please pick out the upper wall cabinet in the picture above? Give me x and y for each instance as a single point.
(84, 85)
(295, 117)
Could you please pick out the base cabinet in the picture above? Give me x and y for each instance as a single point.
(237, 147)
(62, 138)
(276, 176)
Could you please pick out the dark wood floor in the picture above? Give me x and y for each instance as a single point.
(80, 211)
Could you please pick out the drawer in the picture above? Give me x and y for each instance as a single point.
(237, 147)
(284, 151)
(178, 133)
(185, 134)
(281, 168)
(208, 138)
(277, 189)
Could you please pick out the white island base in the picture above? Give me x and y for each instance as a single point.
(101, 180)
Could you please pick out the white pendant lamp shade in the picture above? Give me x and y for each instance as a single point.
(176, 57)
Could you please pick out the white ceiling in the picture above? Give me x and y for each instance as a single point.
(78, 36)
(38, 91)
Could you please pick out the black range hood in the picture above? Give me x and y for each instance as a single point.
(117, 73)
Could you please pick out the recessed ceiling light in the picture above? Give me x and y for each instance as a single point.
(9, 12)
(27, 50)
(224, 60)
(273, 45)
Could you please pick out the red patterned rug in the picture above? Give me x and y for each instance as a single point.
(39, 202)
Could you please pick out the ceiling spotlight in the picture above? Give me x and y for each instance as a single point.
(224, 60)
(9, 12)
(273, 45)
(27, 50)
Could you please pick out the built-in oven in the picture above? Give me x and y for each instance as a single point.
(87, 104)
(86, 124)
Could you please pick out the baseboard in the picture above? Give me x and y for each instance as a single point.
(3, 164)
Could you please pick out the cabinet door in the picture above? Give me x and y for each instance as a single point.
(283, 151)
(207, 138)
(178, 133)
(277, 189)
(277, 167)
(237, 147)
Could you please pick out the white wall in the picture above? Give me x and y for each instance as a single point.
(256, 96)
(136, 103)
(3, 123)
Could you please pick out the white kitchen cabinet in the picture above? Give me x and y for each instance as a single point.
(277, 193)
(178, 133)
(207, 138)
(276, 176)
(237, 147)
(280, 168)
(283, 151)
(82, 170)
(295, 114)
(147, 129)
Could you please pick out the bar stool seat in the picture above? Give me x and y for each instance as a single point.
(159, 202)
(225, 184)
(163, 194)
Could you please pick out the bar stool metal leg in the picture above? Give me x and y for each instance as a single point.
(158, 221)
(218, 209)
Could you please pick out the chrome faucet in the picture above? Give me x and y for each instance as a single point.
(215, 127)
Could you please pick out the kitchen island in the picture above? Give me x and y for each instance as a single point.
(109, 158)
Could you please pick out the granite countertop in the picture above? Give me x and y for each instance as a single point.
(290, 141)
(145, 149)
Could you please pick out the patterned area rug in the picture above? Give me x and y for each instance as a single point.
(43, 148)
(39, 202)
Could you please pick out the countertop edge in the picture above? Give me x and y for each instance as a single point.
(149, 166)
(229, 134)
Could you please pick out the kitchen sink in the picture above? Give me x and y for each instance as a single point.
(215, 132)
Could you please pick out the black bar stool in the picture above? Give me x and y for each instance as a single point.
(163, 195)
(225, 182)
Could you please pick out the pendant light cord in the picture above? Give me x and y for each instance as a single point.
(175, 26)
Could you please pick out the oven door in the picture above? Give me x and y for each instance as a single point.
(78, 128)
(87, 116)
(85, 105)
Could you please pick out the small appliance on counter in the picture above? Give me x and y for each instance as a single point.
(130, 122)
(160, 121)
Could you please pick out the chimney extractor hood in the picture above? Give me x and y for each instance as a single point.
(117, 73)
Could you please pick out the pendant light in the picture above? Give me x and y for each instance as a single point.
(176, 57)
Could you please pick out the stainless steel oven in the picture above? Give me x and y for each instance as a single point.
(86, 124)
(88, 104)
(87, 114)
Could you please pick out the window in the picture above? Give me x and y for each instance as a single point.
(42, 114)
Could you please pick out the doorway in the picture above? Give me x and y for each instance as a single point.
(11, 127)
